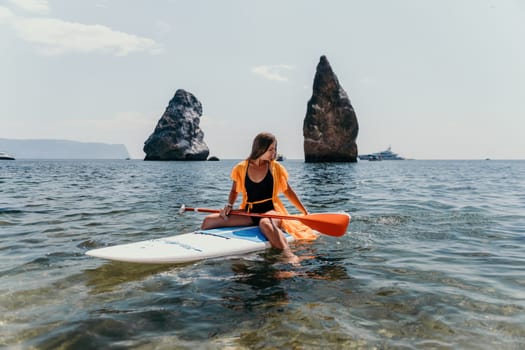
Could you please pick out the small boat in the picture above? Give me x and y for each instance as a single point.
(5, 156)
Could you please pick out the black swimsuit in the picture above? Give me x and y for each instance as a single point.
(259, 195)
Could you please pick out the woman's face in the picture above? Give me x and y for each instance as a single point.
(271, 152)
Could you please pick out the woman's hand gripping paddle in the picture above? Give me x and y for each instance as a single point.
(331, 224)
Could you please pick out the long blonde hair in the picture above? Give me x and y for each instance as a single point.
(260, 144)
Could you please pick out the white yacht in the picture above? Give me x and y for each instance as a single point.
(5, 156)
(384, 155)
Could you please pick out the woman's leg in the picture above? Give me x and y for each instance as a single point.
(270, 228)
(216, 220)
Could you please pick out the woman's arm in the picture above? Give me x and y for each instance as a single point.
(292, 196)
(231, 200)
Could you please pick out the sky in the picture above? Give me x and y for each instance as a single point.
(433, 79)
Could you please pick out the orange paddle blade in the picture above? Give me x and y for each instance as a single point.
(333, 224)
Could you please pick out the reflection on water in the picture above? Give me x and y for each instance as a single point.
(110, 275)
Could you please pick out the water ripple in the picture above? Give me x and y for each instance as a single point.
(434, 258)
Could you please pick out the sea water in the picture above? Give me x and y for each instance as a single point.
(434, 257)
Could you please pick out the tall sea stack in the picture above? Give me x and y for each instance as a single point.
(330, 126)
(178, 135)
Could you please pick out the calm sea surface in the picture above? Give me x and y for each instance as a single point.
(434, 258)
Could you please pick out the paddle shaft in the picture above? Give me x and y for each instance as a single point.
(333, 224)
(244, 213)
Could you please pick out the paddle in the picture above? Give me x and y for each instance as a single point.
(332, 224)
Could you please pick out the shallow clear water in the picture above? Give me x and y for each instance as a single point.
(434, 258)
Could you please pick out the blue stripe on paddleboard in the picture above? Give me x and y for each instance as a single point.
(249, 233)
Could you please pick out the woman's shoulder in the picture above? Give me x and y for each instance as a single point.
(240, 167)
(241, 164)
(276, 166)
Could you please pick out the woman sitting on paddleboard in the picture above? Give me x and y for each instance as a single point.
(260, 179)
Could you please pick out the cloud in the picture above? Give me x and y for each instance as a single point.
(274, 72)
(53, 36)
(34, 6)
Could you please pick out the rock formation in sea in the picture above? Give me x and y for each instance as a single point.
(330, 126)
(177, 135)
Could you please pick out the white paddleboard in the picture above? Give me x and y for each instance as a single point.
(198, 245)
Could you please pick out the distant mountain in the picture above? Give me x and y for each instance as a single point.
(62, 149)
